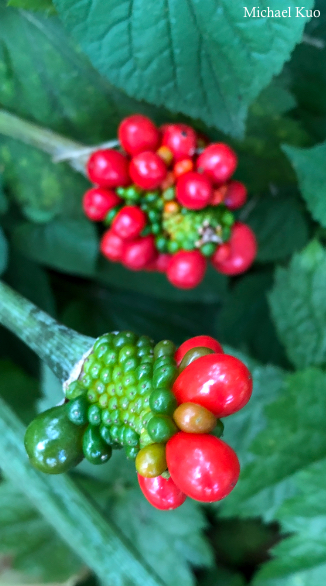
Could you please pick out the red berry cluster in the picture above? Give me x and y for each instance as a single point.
(210, 385)
(168, 198)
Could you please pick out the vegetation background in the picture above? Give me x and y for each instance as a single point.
(78, 67)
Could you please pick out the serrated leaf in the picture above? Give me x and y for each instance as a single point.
(285, 481)
(38, 5)
(177, 543)
(64, 244)
(280, 226)
(309, 165)
(35, 548)
(298, 306)
(203, 59)
(244, 320)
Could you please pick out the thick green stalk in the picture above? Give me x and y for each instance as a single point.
(73, 515)
(59, 347)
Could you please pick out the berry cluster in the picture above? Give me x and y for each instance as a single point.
(168, 199)
(160, 405)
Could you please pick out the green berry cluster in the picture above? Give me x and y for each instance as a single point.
(123, 396)
(203, 229)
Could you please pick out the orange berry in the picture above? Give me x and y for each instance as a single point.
(171, 207)
(219, 195)
(165, 154)
(183, 166)
(169, 181)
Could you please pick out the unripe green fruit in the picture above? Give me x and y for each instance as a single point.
(164, 348)
(192, 355)
(77, 410)
(53, 443)
(163, 401)
(161, 428)
(96, 451)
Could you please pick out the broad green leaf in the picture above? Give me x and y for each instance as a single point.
(285, 482)
(177, 542)
(309, 165)
(3, 251)
(35, 548)
(19, 389)
(64, 244)
(205, 59)
(298, 306)
(291, 440)
(220, 577)
(38, 5)
(280, 226)
(211, 290)
(244, 320)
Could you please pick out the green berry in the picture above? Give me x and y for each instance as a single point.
(131, 452)
(53, 443)
(162, 401)
(161, 428)
(161, 243)
(94, 415)
(192, 355)
(111, 215)
(95, 449)
(208, 248)
(130, 437)
(74, 390)
(164, 376)
(169, 194)
(173, 246)
(164, 348)
(156, 228)
(77, 410)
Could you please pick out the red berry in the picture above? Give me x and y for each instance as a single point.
(194, 191)
(219, 382)
(180, 139)
(129, 222)
(186, 269)
(218, 162)
(160, 264)
(108, 168)
(243, 250)
(202, 466)
(137, 133)
(111, 246)
(222, 252)
(98, 201)
(161, 493)
(147, 170)
(197, 342)
(236, 195)
(139, 253)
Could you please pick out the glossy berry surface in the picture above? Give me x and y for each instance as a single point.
(194, 191)
(218, 162)
(138, 253)
(108, 168)
(53, 443)
(180, 139)
(219, 382)
(203, 466)
(193, 355)
(186, 269)
(97, 202)
(137, 133)
(162, 493)
(151, 461)
(129, 222)
(242, 252)
(193, 418)
(195, 342)
(147, 170)
(235, 195)
(111, 246)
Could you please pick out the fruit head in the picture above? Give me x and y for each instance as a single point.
(218, 162)
(137, 134)
(241, 252)
(108, 168)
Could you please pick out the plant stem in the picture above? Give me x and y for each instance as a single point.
(59, 347)
(59, 147)
(72, 514)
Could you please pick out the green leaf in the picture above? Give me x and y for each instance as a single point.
(64, 244)
(3, 252)
(38, 5)
(280, 226)
(285, 481)
(203, 59)
(244, 320)
(36, 550)
(309, 165)
(178, 543)
(19, 389)
(298, 306)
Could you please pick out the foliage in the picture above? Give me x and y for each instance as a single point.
(239, 80)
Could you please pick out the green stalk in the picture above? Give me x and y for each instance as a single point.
(59, 147)
(59, 347)
(72, 514)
